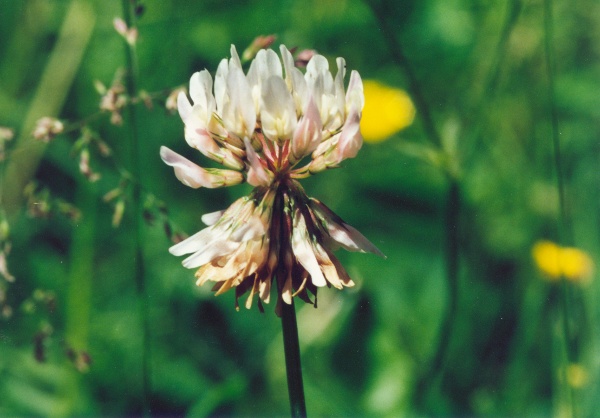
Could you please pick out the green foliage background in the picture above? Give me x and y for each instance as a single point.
(367, 351)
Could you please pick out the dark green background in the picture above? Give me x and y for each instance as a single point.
(366, 351)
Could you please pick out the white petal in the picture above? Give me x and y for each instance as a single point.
(252, 229)
(288, 63)
(201, 90)
(235, 58)
(209, 253)
(340, 99)
(212, 217)
(239, 115)
(316, 65)
(183, 106)
(303, 250)
(193, 243)
(221, 85)
(355, 97)
(278, 113)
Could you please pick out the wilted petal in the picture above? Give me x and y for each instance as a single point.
(342, 233)
(303, 251)
(193, 243)
(209, 253)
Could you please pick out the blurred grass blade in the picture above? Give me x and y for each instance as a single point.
(49, 97)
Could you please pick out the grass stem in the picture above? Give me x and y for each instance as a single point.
(564, 237)
(129, 14)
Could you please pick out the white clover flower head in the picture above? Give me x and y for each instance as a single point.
(270, 127)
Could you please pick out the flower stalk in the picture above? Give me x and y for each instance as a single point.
(291, 347)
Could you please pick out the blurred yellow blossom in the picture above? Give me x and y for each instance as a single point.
(577, 375)
(387, 110)
(556, 261)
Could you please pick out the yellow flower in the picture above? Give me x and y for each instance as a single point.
(387, 110)
(577, 375)
(556, 262)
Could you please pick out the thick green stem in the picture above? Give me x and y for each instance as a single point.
(293, 367)
(281, 232)
(134, 164)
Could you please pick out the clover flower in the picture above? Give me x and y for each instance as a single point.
(269, 130)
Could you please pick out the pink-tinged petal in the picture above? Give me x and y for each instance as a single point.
(351, 139)
(211, 218)
(303, 250)
(186, 171)
(257, 174)
(355, 97)
(209, 253)
(195, 176)
(308, 133)
(183, 106)
(200, 139)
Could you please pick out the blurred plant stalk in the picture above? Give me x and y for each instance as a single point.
(128, 29)
(55, 81)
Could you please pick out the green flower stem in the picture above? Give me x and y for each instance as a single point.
(134, 164)
(293, 367)
(291, 346)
